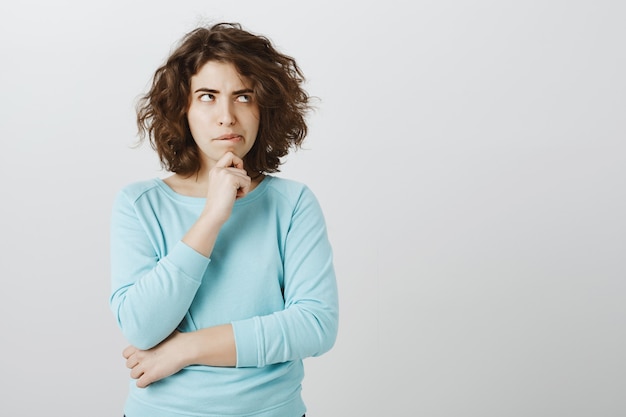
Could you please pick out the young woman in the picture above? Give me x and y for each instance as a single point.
(222, 274)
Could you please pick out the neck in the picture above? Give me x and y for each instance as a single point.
(195, 185)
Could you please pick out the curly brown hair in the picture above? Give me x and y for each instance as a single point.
(277, 83)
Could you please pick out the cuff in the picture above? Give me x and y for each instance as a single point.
(188, 261)
(248, 342)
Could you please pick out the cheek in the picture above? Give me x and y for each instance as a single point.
(255, 118)
(195, 119)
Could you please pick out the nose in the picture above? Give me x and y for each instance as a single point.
(227, 116)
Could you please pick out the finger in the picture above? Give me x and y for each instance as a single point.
(136, 372)
(239, 180)
(128, 351)
(243, 189)
(237, 162)
(143, 382)
(132, 361)
(245, 182)
(229, 159)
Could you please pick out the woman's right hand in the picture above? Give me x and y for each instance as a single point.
(228, 181)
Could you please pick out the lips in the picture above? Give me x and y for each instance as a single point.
(230, 137)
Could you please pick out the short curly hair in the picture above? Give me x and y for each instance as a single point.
(277, 83)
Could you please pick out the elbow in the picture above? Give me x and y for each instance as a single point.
(330, 339)
(327, 326)
(141, 340)
(143, 334)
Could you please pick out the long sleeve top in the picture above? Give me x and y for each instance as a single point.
(270, 275)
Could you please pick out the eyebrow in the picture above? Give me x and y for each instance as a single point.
(235, 93)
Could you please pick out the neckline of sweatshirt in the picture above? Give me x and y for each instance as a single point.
(249, 198)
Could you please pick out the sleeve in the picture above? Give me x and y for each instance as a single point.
(149, 296)
(308, 325)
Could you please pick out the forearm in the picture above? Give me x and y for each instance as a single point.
(202, 235)
(211, 346)
(300, 331)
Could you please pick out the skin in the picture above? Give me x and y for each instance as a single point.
(224, 121)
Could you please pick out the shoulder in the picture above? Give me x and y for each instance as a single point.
(137, 190)
(293, 194)
(288, 189)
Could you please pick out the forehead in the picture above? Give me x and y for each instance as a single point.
(215, 73)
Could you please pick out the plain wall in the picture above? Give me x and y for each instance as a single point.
(470, 157)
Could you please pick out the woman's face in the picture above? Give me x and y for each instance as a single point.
(223, 114)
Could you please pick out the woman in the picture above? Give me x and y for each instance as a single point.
(222, 274)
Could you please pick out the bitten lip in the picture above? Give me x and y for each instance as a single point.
(230, 136)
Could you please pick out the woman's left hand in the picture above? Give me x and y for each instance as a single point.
(163, 360)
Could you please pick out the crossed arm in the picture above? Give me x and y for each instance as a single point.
(213, 346)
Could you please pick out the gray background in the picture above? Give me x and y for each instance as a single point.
(470, 157)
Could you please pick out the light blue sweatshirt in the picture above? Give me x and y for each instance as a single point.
(270, 275)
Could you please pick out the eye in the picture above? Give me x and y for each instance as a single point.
(244, 98)
(206, 97)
